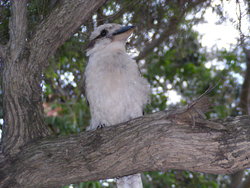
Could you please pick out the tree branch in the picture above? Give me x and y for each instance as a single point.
(170, 29)
(172, 26)
(59, 26)
(156, 142)
(245, 96)
(18, 27)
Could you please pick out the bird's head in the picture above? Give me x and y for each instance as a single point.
(108, 34)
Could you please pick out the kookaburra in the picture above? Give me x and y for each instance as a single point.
(114, 87)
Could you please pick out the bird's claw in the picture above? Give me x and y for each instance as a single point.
(100, 126)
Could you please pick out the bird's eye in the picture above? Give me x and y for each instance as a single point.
(104, 33)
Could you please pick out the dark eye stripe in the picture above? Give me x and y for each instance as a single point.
(91, 44)
(103, 33)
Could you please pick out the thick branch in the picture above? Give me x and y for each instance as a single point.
(155, 142)
(60, 25)
(18, 27)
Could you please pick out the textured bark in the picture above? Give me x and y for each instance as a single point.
(2, 51)
(18, 28)
(23, 113)
(156, 142)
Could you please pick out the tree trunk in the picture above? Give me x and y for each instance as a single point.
(23, 112)
(22, 104)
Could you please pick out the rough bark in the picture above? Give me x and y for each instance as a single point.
(18, 28)
(2, 51)
(156, 142)
(23, 113)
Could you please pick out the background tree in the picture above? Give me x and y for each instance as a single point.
(43, 43)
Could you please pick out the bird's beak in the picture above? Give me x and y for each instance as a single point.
(123, 33)
(124, 29)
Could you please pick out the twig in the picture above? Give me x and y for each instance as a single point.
(203, 95)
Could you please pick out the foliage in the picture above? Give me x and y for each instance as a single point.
(86, 185)
(181, 179)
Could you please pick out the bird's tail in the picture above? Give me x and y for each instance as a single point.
(132, 181)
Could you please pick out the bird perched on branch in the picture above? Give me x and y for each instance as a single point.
(115, 90)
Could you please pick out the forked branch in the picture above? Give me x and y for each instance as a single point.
(59, 26)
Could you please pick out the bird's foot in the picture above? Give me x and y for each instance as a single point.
(101, 126)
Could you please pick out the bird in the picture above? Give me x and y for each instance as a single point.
(114, 87)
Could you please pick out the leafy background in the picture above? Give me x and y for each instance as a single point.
(171, 57)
